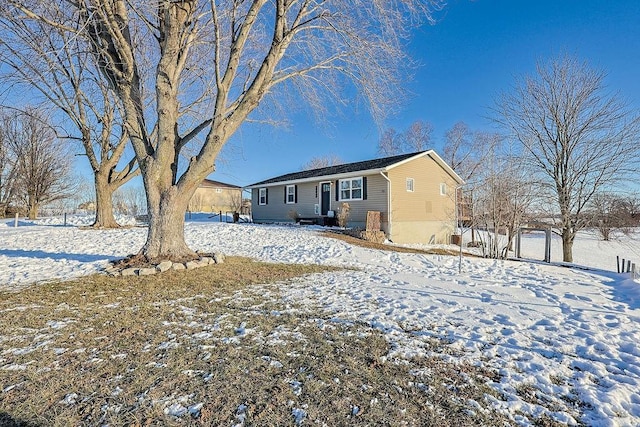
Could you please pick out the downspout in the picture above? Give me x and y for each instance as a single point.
(388, 204)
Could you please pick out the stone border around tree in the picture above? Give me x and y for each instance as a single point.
(215, 258)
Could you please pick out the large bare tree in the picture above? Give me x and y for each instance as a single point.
(52, 61)
(42, 161)
(577, 137)
(214, 63)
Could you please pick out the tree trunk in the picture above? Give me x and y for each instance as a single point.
(567, 245)
(33, 210)
(165, 238)
(104, 203)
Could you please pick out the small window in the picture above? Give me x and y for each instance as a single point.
(262, 196)
(291, 194)
(218, 190)
(443, 189)
(351, 189)
(410, 185)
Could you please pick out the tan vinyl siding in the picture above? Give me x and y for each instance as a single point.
(215, 199)
(423, 215)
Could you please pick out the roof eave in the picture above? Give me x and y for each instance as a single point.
(318, 178)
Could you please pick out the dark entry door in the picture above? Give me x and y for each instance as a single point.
(326, 198)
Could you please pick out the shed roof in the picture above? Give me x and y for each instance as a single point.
(217, 184)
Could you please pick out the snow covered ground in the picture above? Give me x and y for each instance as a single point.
(571, 333)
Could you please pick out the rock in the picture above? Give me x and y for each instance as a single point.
(207, 260)
(190, 265)
(164, 266)
(129, 272)
(218, 258)
(112, 271)
(178, 266)
(146, 271)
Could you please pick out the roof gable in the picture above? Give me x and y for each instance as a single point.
(367, 165)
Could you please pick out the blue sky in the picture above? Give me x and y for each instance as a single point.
(474, 51)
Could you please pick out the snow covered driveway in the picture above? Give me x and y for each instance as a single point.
(572, 335)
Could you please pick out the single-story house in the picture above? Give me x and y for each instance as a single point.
(216, 196)
(414, 193)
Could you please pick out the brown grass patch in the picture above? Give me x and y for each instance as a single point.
(385, 247)
(212, 346)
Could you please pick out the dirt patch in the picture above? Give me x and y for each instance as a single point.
(386, 247)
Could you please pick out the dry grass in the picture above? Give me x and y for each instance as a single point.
(212, 346)
(385, 247)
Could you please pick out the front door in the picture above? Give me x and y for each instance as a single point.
(325, 198)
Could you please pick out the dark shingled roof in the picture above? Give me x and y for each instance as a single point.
(339, 169)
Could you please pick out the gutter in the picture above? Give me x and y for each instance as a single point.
(389, 222)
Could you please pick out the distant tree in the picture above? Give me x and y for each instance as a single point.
(322, 162)
(502, 197)
(607, 214)
(53, 62)
(390, 143)
(8, 169)
(129, 200)
(577, 138)
(416, 138)
(465, 150)
(234, 199)
(632, 208)
(43, 163)
(610, 212)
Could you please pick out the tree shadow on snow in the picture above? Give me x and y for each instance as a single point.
(19, 253)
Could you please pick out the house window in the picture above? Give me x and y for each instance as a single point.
(262, 196)
(290, 194)
(410, 185)
(443, 189)
(218, 190)
(351, 189)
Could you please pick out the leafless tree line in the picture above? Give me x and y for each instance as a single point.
(52, 64)
(35, 165)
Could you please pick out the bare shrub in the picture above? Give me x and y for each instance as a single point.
(343, 215)
(293, 215)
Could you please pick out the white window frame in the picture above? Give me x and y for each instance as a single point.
(262, 193)
(350, 189)
(291, 193)
(443, 188)
(218, 190)
(410, 185)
